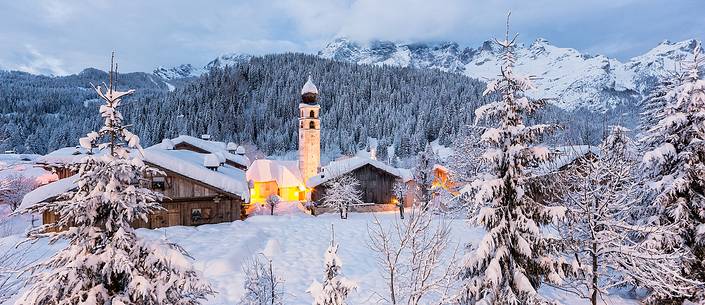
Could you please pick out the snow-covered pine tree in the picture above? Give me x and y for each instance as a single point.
(262, 285)
(513, 257)
(423, 176)
(341, 193)
(105, 262)
(610, 250)
(674, 166)
(335, 287)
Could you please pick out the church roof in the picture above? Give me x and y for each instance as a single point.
(285, 173)
(309, 87)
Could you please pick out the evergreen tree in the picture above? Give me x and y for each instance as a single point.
(423, 176)
(674, 166)
(105, 262)
(335, 288)
(513, 257)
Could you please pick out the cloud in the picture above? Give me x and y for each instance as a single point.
(37, 63)
(153, 33)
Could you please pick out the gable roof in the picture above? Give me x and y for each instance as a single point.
(565, 155)
(68, 156)
(212, 147)
(285, 173)
(187, 163)
(48, 191)
(341, 167)
(190, 164)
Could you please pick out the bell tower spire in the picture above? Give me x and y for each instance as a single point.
(309, 131)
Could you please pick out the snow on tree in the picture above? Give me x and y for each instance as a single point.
(105, 262)
(412, 255)
(335, 287)
(262, 285)
(465, 164)
(13, 188)
(610, 250)
(423, 176)
(12, 262)
(341, 193)
(272, 202)
(674, 166)
(514, 256)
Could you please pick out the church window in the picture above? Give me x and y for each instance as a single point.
(312, 114)
(312, 125)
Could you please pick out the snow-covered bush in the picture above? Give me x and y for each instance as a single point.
(262, 285)
(272, 202)
(105, 262)
(411, 256)
(513, 257)
(341, 193)
(335, 287)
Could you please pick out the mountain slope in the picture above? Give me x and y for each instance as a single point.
(570, 78)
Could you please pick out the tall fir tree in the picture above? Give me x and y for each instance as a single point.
(513, 257)
(674, 166)
(423, 176)
(105, 262)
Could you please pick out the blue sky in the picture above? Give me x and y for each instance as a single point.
(63, 37)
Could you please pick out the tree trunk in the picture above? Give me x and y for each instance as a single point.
(593, 297)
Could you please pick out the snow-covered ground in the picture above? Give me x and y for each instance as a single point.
(296, 243)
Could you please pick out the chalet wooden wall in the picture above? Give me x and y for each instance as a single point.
(189, 202)
(375, 185)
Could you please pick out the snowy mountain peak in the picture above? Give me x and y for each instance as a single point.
(188, 70)
(571, 78)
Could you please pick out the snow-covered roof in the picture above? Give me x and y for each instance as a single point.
(191, 164)
(341, 167)
(309, 87)
(566, 155)
(285, 173)
(67, 156)
(48, 191)
(212, 147)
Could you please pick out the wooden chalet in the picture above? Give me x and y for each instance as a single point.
(196, 191)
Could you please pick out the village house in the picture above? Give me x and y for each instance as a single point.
(203, 182)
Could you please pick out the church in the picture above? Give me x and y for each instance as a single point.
(304, 179)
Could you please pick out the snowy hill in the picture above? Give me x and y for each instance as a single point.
(572, 78)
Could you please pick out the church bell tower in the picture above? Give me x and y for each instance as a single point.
(309, 131)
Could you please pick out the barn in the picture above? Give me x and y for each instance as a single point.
(376, 179)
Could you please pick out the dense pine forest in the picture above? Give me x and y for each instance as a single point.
(256, 102)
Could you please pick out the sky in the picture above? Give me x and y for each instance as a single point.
(63, 37)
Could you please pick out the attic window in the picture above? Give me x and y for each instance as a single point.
(158, 183)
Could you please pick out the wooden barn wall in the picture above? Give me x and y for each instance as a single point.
(375, 185)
